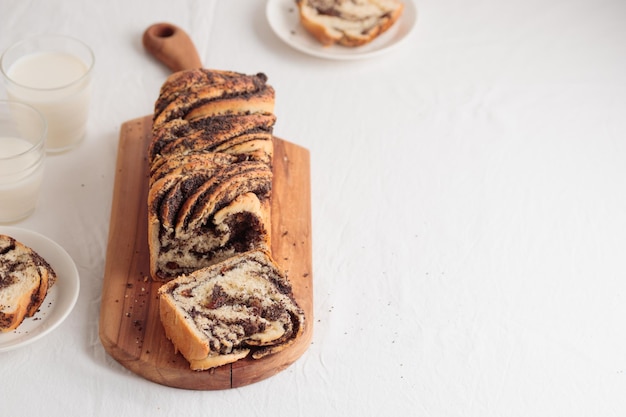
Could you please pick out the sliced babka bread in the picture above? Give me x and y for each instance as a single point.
(348, 22)
(239, 307)
(25, 278)
(210, 170)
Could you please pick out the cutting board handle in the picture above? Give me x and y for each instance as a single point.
(172, 46)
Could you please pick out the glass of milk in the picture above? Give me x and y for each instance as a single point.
(53, 74)
(22, 156)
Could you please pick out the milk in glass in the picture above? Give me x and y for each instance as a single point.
(53, 74)
(21, 174)
(52, 89)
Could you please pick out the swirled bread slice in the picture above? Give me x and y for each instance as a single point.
(348, 22)
(237, 308)
(210, 162)
(207, 95)
(25, 278)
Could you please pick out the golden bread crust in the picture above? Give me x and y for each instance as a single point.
(212, 144)
(225, 312)
(349, 23)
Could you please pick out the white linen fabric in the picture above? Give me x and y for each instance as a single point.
(469, 211)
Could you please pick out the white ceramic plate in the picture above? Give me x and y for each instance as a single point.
(283, 17)
(60, 299)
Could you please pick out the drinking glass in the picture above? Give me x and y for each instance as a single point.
(22, 158)
(53, 74)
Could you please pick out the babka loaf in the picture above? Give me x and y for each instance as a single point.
(25, 278)
(225, 312)
(210, 170)
(348, 22)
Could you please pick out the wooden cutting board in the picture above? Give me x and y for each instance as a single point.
(130, 329)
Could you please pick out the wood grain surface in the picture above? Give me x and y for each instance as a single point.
(130, 329)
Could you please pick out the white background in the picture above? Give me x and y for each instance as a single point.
(469, 211)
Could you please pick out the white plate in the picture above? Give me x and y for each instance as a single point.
(284, 19)
(60, 299)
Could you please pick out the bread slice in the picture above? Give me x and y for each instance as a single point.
(25, 278)
(348, 22)
(240, 307)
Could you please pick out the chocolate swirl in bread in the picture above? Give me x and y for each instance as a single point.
(25, 278)
(210, 170)
(204, 93)
(245, 135)
(220, 314)
(348, 22)
(210, 162)
(206, 215)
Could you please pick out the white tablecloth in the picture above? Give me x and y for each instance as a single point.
(468, 199)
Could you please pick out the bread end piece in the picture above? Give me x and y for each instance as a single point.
(237, 308)
(349, 23)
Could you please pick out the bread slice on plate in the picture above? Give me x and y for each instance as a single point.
(240, 307)
(348, 22)
(25, 278)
